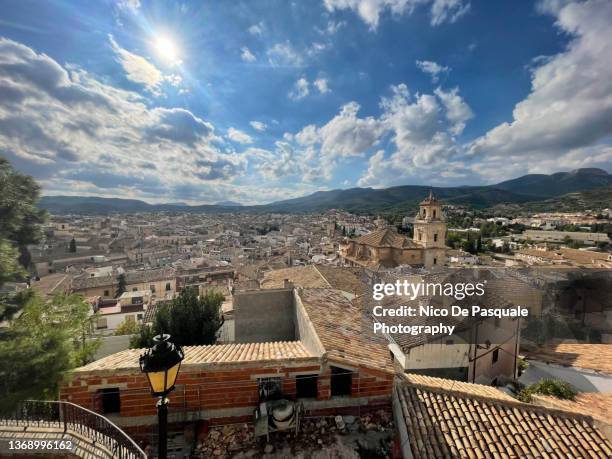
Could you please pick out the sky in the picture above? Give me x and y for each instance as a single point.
(257, 101)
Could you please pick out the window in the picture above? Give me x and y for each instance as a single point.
(109, 399)
(436, 237)
(435, 261)
(106, 293)
(341, 380)
(434, 214)
(134, 289)
(168, 288)
(152, 288)
(306, 386)
(495, 355)
(139, 316)
(270, 389)
(101, 323)
(420, 236)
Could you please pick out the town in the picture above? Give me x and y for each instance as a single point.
(282, 280)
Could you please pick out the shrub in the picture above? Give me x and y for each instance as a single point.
(555, 387)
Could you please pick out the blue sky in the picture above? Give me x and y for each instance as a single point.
(256, 101)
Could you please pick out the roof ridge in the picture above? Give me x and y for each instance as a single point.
(322, 276)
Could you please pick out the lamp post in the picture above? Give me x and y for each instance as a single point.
(161, 365)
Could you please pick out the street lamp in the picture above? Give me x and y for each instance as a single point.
(161, 365)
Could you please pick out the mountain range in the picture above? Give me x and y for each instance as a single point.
(526, 189)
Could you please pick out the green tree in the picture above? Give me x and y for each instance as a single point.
(189, 319)
(21, 219)
(128, 327)
(41, 345)
(121, 285)
(73, 247)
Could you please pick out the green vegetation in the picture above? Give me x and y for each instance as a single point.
(45, 341)
(555, 387)
(73, 247)
(121, 285)
(128, 327)
(189, 319)
(19, 226)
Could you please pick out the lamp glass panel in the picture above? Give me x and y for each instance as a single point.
(157, 379)
(172, 374)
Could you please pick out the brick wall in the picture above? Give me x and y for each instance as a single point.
(220, 393)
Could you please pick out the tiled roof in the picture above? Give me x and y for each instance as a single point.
(131, 277)
(595, 404)
(346, 334)
(545, 254)
(314, 276)
(449, 424)
(201, 355)
(596, 357)
(386, 238)
(433, 383)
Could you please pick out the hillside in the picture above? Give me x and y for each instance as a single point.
(536, 189)
(600, 198)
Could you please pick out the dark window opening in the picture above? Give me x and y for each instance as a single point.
(270, 389)
(168, 288)
(435, 261)
(306, 386)
(106, 293)
(134, 289)
(434, 214)
(436, 237)
(152, 288)
(341, 381)
(495, 355)
(110, 400)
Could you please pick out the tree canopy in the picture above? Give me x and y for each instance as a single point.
(39, 346)
(190, 320)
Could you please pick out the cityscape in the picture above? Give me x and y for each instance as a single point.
(197, 262)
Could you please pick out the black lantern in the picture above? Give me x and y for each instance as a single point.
(161, 365)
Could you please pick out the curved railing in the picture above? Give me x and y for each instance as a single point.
(75, 418)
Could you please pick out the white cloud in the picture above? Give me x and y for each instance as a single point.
(75, 133)
(257, 29)
(566, 117)
(370, 10)
(247, 55)
(128, 4)
(239, 136)
(321, 85)
(137, 68)
(458, 111)
(258, 125)
(300, 89)
(432, 69)
(284, 55)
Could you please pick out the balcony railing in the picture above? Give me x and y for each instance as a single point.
(69, 417)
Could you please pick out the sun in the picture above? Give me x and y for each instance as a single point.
(167, 49)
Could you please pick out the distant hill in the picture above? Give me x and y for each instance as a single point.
(558, 184)
(599, 198)
(519, 191)
(228, 204)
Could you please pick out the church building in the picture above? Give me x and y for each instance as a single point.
(385, 248)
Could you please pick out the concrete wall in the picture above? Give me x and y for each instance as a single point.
(582, 380)
(264, 316)
(304, 330)
(112, 344)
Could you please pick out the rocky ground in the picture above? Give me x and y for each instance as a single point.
(353, 437)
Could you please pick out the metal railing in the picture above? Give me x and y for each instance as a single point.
(70, 417)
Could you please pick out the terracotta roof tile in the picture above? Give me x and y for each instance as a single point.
(201, 355)
(386, 238)
(451, 419)
(596, 357)
(346, 334)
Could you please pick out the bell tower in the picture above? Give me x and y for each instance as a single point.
(429, 224)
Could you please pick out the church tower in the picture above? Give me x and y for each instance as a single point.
(430, 230)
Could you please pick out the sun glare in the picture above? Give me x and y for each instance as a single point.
(167, 49)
